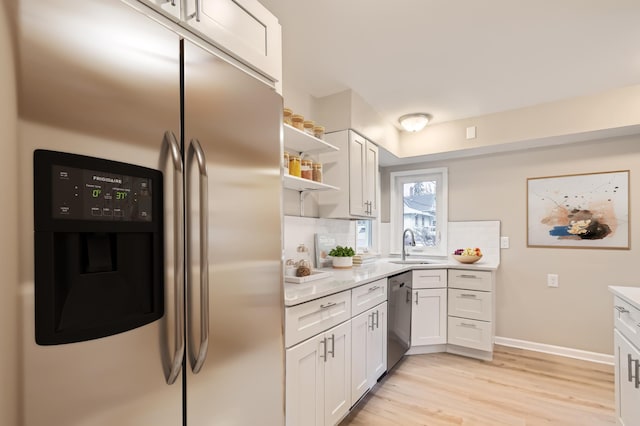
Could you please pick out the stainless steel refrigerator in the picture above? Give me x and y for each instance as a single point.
(102, 80)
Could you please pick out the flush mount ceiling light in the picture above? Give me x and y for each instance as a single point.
(414, 122)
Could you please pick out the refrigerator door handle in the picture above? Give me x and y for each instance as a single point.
(204, 256)
(178, 356)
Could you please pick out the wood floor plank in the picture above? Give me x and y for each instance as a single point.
(518, 387)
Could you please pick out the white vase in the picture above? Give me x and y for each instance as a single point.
(342, 262)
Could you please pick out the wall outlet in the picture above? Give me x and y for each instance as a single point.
(504, 242)
(552, 280)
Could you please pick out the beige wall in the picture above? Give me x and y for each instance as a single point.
(9, 367)
(578, 314)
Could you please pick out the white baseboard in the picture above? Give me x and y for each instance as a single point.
(555, 350)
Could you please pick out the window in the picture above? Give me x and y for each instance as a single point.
(364, 236)
(419, 202)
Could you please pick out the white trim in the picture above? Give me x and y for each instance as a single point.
(556, 350)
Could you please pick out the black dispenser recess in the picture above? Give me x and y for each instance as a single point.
(99, 267)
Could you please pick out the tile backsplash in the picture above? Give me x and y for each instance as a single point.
(301, 230)
(480, 233)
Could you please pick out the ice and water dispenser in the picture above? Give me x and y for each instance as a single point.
(99, 266)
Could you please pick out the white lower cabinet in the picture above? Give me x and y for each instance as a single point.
(429, 317)
(368, 350)
(627, 381)
(318, 378)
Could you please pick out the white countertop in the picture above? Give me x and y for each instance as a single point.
(629, 294)
(346, 279)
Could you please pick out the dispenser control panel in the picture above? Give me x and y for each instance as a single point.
(83, 194)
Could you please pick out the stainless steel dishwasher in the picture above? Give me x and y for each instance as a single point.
(398, 318)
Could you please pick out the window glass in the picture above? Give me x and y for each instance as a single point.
(419, 202)
(364, 236)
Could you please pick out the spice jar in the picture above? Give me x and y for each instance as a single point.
(308, 127)
(317, 172)
(286, 116)
(294, 165)
(285, 163)
(318, 132)
(297, 121)
(306, 169)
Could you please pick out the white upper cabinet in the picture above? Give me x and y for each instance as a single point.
(356, 173)
(243, 28)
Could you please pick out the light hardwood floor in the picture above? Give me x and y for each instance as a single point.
(518, 387)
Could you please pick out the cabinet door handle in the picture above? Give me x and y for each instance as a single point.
(378, 322)
(621, 309)
(371, 327)
(416, 298)
(637, 373)
(468, 295)
(333, 346)
(328, 305)
(324, 349)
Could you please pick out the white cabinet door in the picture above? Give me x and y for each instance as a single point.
(305, 364)
(359, 376)
(627, 381)
(371, 179)
(337, 381)
(429, 317)
(377, 344)
(243, 28)
(357, 149)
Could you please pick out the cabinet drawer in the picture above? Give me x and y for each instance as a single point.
(368, 296)
(627, 320)
(308, 319)
(469, 279)
(470, 333)
(470, 304)
(429, 278)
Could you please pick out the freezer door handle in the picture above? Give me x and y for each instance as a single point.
(174, 149)
(204, 256)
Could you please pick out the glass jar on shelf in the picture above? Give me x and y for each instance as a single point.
(308, 126)
(318, 132)
(306, 169)
(297, 121)
(294, 165)
(317, 172)
(286, 116)
(285, 162)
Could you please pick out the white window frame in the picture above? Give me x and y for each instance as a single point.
(440, 175)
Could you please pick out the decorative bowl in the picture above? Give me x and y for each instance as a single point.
(466, 259)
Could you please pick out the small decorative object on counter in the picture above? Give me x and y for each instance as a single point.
(317, 172)
(304, 264)
(290, 268)
(297, 121)
(306, 169)
(308, 126)
(285, 163)
(342, 257)
(286, 116)
(294, 165)
(467, 255)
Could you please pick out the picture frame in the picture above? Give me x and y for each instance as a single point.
(589, 211)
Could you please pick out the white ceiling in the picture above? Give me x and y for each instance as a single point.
(456, 59)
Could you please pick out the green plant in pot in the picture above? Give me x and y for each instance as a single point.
(342, 257)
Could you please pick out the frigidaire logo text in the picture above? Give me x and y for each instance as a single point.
(107, 179)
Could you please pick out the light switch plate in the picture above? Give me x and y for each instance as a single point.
(504, 242)
(552, 280)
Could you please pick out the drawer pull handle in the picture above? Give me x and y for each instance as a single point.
(417, 298)
(622, 310)
(464, 324)
(328, 305)
(374, 288)
(472, 296)
(468, 276)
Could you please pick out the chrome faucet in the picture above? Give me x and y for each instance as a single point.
(413, 242)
